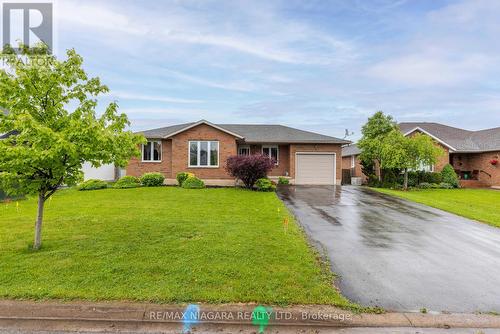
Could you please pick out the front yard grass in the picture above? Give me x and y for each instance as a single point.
(162, 245)
(478, 204)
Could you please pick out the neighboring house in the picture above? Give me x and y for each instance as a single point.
(471, 153)
(105, 172)
(203, 148)
(351, 165)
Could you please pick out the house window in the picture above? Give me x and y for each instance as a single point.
(425, 168)
(151, 151)
(353, 161)
(244, 150)
(271, 151)
(203, 154)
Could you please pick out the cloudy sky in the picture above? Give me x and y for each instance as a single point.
(318, 65)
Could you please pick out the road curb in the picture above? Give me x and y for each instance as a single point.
(12, 312)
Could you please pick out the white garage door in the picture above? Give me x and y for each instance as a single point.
(315, 168)
(105, 172)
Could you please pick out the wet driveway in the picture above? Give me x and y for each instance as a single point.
(400, 255)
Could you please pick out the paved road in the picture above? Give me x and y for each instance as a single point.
(400, 255)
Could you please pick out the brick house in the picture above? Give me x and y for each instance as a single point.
(471, 153)
(203, 148)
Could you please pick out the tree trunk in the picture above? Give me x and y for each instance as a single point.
(378, 170)
(405, 186)
(38, 223)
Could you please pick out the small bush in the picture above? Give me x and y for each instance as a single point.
(265, 184)
(249, 168)
(448, 175)
(425, 185)
(283, 180)
(193, 183)
(152, 179)
(430, 177)
(92, 185)
(182, 176)
(444, 185)
(127, 182)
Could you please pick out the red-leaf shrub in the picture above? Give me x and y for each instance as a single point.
(249, 168)
(494, 162)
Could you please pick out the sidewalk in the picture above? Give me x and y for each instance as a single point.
(53, 316)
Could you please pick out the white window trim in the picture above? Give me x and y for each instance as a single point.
(353, 161)
(277, 152)
(152, 154)
(246, 147)
(209, 146)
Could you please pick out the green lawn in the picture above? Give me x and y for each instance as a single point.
(479, 204)
(162, 245)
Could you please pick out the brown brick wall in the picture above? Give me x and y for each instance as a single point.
(443, 159)
(175, 155)
(284, 158)
(346, 164)
(180, 142)
(334, 148)
(136, 167)
(480, 162)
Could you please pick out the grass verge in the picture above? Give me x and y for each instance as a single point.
(479, 204)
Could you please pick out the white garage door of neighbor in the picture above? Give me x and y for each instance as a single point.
(105, 172)
(315, 168)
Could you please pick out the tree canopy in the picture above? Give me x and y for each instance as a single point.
(374, 132)
(382, 141)
(51, 115)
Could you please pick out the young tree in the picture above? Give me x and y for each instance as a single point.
(374, 133)
(48, 142)
(408, 153)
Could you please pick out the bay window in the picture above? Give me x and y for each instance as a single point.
(203, 154)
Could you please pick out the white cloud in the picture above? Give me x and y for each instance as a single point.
(241, 86)
(427, 69)
(159, 98)
(274, 38)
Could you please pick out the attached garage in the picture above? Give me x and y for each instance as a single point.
(315, 168)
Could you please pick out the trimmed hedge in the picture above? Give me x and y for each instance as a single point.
(127, 182)
(152, 179)
(92, 185)
(193, 183)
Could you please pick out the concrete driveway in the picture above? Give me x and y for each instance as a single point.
(400, 255)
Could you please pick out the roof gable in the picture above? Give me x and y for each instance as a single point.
(192, 125)
(456, 139)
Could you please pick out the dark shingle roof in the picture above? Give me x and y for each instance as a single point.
(255, 133)
(165, 131)
(459, 140)
(350, 150)
(259, 133)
